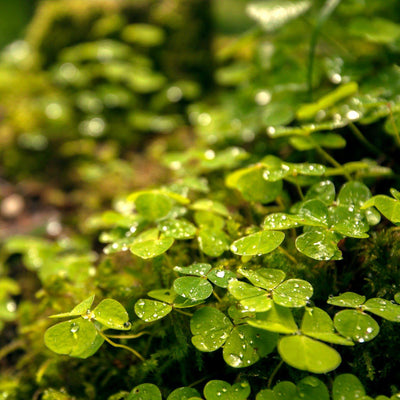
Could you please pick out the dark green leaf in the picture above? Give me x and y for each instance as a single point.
(221, 390)
(145, 391)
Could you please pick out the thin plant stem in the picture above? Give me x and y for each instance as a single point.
(274, 372)
(287, 254)
(393, 122)
(325, 13)
(133, 351)
(42, 370)
(358, 134)
(168, 261)
(133, 336)
(198, 381)
(183, 312)
(330, 159)
(217, 297)
(298, 187)
(9, 348)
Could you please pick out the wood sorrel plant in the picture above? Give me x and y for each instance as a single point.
(251, 271)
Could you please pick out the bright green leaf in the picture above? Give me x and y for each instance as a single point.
(347, 387)
(356, 325)
(221, 277)
(317, 324)
(281, 221)
(384, 308)
(183, 393)
(112, 314)
(213, 242)
(80, 309)
(323, 191)
(197, 269)
(389, 207)
(251, 298)
(210, 205)
(178, 229)
(76, 338)
(153, 205)
(151, 310)
(311, 388)
(319, 245)
(210, 328)
(257, 243)
(266, 278)
(252, 185)
(151, 248)
(192, 287)
(246, 345)
(293, 293)
(347, 299)
(307, 354)
(277, 319)
(353, 194)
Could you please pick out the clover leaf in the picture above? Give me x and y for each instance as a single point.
(76, 338)
(210, 328)
(381, 307)
(307, 354)
(277, 319)
(151, 310)
(347, 387)
(198, 287)
(145, 391)
(317, 324)
(221, 390)
(183, 393)
(246, 345)
(111, 314)
(149, 244)
(356, 325)
(251, 184)
(257, 243)
(179, 229)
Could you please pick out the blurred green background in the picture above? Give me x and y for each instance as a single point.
(14, 16)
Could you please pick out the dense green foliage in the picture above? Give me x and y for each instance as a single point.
(211, 215)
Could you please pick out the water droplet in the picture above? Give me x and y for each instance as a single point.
(235, 360)
(11, 306)
(74, 327)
